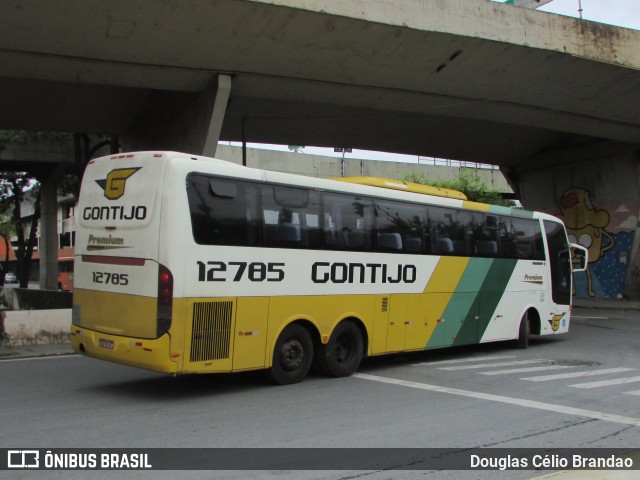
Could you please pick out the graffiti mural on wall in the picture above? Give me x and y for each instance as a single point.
(607, 234)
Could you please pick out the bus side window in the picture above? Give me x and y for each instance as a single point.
(528, 239)
(400, 227)
(348, 222)
(223, 211)
(442, 226)
(486, 237)
(290, 217)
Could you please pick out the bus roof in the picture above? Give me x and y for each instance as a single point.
(404, 186)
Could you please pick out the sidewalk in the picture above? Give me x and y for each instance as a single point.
(607, 303)
(28, 351)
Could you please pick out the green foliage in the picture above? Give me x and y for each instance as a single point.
(468, 183)
(23, 137)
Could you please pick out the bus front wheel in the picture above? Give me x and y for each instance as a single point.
(524, 331)
(341, 355)
(292, 356)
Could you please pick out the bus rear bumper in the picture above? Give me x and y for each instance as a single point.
(137, 352)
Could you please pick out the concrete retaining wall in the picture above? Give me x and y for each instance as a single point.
(32, 316)
(34, 299)
(32, 327)
(594, 189)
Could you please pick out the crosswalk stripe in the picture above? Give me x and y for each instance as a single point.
(464, 360)
(634, 392)
(607, 383)
(527, 369)
(498, 364)
(590, 373)
(549, 407)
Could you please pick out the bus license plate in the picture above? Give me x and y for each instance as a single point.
(103, 343)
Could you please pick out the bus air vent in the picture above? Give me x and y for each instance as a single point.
(211, 331)
(385, 304)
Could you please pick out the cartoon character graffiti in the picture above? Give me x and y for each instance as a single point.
(586, 226)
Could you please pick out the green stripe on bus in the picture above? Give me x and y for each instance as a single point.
(461, 303)
(481, 312)
(515, 212)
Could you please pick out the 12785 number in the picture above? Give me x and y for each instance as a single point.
(236, 271)
(111, 278)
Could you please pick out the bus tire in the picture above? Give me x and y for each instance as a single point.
(292, 356)
(342, 354)
(524, 332)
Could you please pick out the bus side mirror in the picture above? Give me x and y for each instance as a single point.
(579, 257)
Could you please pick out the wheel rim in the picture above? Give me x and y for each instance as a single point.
(291, 354)
(343, 351)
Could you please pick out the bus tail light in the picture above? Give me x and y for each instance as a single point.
(165, 299)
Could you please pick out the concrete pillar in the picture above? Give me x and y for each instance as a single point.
(185, 122)
(49, 234)
(217, 116)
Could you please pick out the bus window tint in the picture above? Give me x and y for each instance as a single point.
(485, 239)
(290, 217)
(526, 236)
(560, 262)
(348, 222)
(453, 231)
(223, 212)
(444, 230)
(400, 227)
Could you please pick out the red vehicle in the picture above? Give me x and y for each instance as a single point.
(65, 274)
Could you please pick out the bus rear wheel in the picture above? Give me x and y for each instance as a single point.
(342, 354)
(292, 356)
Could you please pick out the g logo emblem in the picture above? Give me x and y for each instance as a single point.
(115, 182)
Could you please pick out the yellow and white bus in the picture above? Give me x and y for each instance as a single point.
(191, 264)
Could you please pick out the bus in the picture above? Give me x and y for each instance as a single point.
(65, 274)
(186, 264)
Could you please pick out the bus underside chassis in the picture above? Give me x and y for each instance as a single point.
(294, 353)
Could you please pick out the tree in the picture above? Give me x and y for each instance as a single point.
(14, 187)
(468, 183)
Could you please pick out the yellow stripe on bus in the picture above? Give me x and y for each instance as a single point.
(440, 288)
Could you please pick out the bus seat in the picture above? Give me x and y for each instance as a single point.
(390, 242)
(413, 244)
(445, 245)
(289, 232)
(354, 240)
(487, 248)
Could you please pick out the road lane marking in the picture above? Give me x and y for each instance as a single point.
(464, 360)
(634, 392)
(591, 373)
(607, 383)
(497, 364)
(520, 402)
(590, 318)
(527, 369)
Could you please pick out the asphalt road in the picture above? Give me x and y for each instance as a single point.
(577, 390)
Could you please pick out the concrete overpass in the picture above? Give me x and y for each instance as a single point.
(463, 79)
